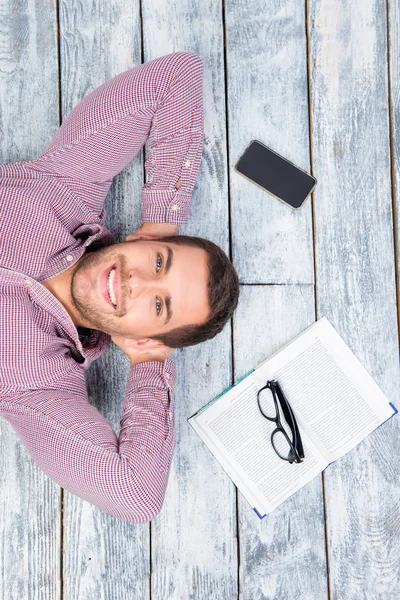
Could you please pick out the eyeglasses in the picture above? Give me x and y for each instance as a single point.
(287, 444)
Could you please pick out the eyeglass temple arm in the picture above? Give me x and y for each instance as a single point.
(290, 418)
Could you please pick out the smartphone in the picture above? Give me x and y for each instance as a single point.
(275, 174)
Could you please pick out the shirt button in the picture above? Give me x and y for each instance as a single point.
(187, 163)
(175, 207)
(28, 282)
(70, 257)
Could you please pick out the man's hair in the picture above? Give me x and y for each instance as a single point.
(223, 295)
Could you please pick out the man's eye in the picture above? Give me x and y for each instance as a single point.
(159, 262)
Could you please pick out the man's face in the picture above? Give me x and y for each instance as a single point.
(149, 277)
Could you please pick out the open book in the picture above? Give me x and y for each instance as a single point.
(334, 399)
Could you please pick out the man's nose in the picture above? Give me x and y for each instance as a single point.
(138, 283)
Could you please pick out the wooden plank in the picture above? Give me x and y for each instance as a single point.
(194, 552)
(268, 101)
(282, 555)
(394, 50)
(98, 41)
(28, 70)
(29, 500)
(267, 94)
(356, 279)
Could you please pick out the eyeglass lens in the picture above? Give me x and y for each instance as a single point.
(282, 445)
(267, 404)
(270, 410)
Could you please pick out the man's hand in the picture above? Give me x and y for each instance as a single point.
(149, 231)
(139, 351)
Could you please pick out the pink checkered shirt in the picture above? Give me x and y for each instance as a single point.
(51, 211)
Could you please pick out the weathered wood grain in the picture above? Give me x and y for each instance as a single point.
(282, 555)
(394, 50)
(356, 280)
(29, 500)
(104, 557)
(268, 101)
(194, 551)
(267, 94)
(28, 78)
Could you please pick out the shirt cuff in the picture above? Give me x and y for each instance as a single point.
(165, 206)
(154, 374)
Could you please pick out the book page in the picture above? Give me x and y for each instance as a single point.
(331, 394)
(240, 438)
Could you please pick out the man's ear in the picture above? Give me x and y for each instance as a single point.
(144, 344)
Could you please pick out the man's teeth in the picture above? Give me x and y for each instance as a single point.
(111, 286)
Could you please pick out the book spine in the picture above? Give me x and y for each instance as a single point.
(224, 392)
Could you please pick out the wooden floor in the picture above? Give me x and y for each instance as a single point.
(319, 82)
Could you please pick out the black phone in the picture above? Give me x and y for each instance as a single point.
(275, 174)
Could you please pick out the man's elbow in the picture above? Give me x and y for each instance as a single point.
(189, 62)
(143, 516)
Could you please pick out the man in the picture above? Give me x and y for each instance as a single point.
(66, 289)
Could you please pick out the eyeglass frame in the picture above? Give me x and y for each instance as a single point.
(296, 447)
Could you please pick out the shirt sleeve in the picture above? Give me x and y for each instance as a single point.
(161, 100)
(75, 445)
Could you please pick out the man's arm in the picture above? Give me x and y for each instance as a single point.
(160, 100)
(71, 441)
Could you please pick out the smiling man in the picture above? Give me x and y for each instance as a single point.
(67, 289)
(115, 289)
(138, 289)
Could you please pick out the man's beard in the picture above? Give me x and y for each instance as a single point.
(89, 307)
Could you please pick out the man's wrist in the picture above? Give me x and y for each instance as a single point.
(165, 228)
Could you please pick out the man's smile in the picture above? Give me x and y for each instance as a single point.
(113, 282)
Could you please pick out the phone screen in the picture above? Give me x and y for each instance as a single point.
(275, 174)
